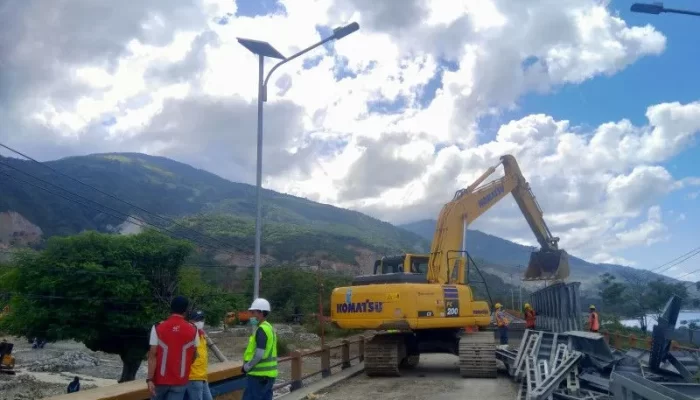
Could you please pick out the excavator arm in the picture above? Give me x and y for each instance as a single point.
(449, 241)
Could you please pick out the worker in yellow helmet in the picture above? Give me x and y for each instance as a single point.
(502, 323)
(529, 317)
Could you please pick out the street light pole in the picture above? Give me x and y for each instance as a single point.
(262, 50)
(658, 8)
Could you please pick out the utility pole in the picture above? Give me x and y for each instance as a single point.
(520, 291)
(512, 294)
(262, 50)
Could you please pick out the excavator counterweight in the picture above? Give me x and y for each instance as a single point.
(547, 265)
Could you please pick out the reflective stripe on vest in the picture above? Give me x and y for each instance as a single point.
(199, 367)
(267, 367)
(173, 334)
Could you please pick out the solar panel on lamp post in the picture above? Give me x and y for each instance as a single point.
(658, 8)
(262, 50)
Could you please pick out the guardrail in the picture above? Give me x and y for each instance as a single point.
(296, 357)
(228, 383)
(620, 341)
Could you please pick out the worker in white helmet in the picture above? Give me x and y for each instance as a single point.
(260, 357)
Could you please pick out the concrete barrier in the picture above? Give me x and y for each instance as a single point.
(225, 380)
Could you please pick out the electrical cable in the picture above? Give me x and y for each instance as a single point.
(169, 220)
(138, 221)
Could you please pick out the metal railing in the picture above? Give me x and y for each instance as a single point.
(621, 341)
(296, 358)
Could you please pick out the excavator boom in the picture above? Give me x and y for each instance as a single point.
(449, 240)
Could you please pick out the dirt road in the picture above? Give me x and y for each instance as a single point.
(437, 378)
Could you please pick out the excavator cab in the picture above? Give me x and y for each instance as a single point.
(551, 265)
(405, 268)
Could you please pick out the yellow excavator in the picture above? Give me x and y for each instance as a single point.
(423, 303)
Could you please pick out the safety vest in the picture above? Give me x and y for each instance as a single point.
(199, 367)
(501, 319)
(175, 351)
(530, 318)
(593, 321)
(267, 367)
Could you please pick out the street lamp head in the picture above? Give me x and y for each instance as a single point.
(655, 8)
(260, 48)
(341, 32)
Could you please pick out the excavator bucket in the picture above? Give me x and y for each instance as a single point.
(550, 265)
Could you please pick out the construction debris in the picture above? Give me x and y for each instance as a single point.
(577, 365)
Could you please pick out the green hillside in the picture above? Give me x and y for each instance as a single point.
(293, 227)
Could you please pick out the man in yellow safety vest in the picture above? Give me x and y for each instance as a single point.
(198, 387)
(260, 357)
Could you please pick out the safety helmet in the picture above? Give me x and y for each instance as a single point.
(197, 315)
(498, 305)
(592, 307)
(260, 304)
(527, 305)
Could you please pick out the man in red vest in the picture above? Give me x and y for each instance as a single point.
(173, 350)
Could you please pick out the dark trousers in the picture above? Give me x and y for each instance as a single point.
(503, 334)
(258, 388)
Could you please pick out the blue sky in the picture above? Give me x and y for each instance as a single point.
(672, 76)
(669, 77)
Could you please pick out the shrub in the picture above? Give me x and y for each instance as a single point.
(282, 347)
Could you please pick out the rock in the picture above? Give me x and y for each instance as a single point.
(68, 361)
(284, 331)
(308, 337)
(241, 331)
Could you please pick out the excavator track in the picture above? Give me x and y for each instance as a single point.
(383, 354)
(477, 355)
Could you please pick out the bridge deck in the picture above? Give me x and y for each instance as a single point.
(436, 377)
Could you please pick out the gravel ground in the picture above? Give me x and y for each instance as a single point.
(436, 377)
(46, 372)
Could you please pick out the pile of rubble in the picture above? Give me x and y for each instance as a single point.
(67, 361)
(580, 365)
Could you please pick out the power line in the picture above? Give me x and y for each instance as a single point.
(123, 215)
(137, 221)
(677, 260)
(169, 220)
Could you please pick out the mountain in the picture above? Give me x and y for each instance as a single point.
(506, 258)
(295, 230)
(36, 203)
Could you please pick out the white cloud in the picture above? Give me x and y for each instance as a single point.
(164, 77)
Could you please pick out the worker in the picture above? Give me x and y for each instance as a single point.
(260, 357)
(502, 323)
(529, 317)
(74, 386)
(173, 345)
(593, 319)
(198, 387)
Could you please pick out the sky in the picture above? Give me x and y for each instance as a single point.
(598, 105)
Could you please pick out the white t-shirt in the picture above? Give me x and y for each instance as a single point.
(153, 341)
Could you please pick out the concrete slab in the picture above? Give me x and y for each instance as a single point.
(325, 383)
(436, 377)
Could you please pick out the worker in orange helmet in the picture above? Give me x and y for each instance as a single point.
(529, 317)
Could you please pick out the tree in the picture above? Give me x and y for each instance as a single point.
(638, 296)
(214, 301)
(102, 290)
